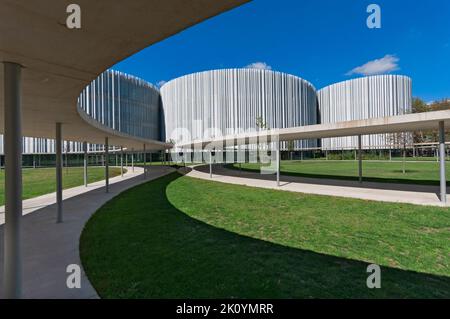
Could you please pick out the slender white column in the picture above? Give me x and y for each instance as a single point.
(59, 165)
(360, 171)
(210, 164)
(67, 156)
(85, 164)
(106, 165)
(442, 162)
(145, 163)
(132, 160)
(277, 143)
(13, 181)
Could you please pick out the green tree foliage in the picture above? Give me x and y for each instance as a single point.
(419, 106)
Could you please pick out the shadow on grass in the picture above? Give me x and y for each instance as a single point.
(140, 246)
(390, 180)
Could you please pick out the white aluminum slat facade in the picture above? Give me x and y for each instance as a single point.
(364, 98)
(117, 100)
(124, 103)
(229, 101)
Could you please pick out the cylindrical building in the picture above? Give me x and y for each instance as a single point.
(124, 103)
(364, 98)
(117, 100)
(223, 102)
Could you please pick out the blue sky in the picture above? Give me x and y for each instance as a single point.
(321, 41)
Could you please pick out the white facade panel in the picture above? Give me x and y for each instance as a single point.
(222, 102)
(364, 98)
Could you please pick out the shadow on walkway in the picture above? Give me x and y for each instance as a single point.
(48, 248)
(140, 246)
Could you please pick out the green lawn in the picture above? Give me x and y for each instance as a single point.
(41, 181)
(426, 173)
(179, 237)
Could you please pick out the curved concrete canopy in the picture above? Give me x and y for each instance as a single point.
(389, 124)
(59, 62)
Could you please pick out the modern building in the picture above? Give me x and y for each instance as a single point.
(123, 103)
(116, 100)
(46, 67)
(233, 101)
(364, 98)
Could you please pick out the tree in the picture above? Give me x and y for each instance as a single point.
(261, 124)
(419, 106)
(290, 147)
(401, 140)
(441, 105)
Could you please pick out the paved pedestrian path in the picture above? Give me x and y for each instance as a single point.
(386, 192)
(33, 204)
(48, 248)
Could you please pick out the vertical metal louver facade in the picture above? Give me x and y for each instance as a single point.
(117, 100)
(124, 103)
(364, 98)
(229, 101)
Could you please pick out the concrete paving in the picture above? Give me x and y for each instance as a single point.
(385, 192)
(48, 248)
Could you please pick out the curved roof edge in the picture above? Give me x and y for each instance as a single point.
(367, 77)
(129, 76)
(237, 69)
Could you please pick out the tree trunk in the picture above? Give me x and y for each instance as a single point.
(404, 161)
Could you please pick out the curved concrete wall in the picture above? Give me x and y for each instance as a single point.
(364, 98)
(231, 100)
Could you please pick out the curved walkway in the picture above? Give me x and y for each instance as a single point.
(33, 204)
(385, 192)
(49, 247)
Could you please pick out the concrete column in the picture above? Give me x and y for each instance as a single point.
(85, 164)
(132, 160)
(121, 161)
(13, 181)
(210, 164)
(126, 158)
(106, 164)
(442, 162)
(67, 156)
(360, 159)
(145, 163)
(59, 166)
(277, 143)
